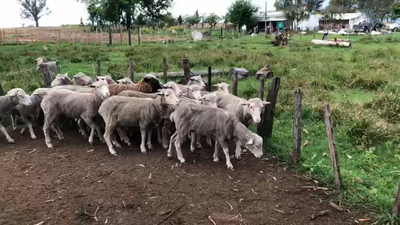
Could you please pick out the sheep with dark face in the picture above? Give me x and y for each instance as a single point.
(149, 84)
(75, 105)
(128, 111)
(82, 79)
(10, 101)
(61, 79)
(203, 120)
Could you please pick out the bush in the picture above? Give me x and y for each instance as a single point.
(76, 59)
(387, 106)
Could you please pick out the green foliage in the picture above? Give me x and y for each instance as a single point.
(242, 12)
(298, 10)
(212, 19)
(34, 9)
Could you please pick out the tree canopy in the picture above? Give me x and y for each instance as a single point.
(377, 10)
(298, 10)
(34, 10)
(242, 12)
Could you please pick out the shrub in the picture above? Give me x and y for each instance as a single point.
(76, 59)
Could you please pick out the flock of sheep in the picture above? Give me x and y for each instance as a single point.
(177, 112)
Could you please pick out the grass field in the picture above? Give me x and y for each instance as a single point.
(361, 84)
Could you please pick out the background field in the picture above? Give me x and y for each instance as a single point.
(361, 84)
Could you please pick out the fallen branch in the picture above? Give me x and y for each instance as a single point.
(280, 211)
(272, 176)
(211, 220)
(34, 150)
(95, 214)
(170, 214)
(318, 214)
(39, 223)
(338, 208)
(315, 188)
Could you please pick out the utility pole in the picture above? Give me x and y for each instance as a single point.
(265, 13)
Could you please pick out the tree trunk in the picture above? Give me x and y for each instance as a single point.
(37, 22)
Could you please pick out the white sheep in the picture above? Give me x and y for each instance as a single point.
(10, 101)
(82, 79)
(129, 111)
(61, 79)
(106, 78)
(75, 105)
(125, 80)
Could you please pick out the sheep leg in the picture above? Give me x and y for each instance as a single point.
(29, 125)
(9, 139)
(209, 142)
(215, 156)
(107, 136)
(238, 150)
(178, 144)
(149, 134)
(164, 137)
(13, 124)
(171, 143)
(159, 135)
(94, 127)
(124, 137)
(143, 132)
(46, 131)
(81, 127)
(114, 141)
(198, 140)
(23, 130)
(192, 141)
(56, 129)
(224, 146)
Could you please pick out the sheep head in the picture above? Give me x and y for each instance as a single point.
(210, 100)
(196, 91)
(107, 78)
(222, 87)
(169, 96)
(82, 79)
(173, 86)
(125, 80)
(102, 87)
(255, 106)
(23, 98)
(149, 84)
(197, 80)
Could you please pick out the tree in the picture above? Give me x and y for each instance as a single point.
(191, 20)
(242, 12)
(376, 9)
(298, 10)
(212, 19)
(169, 19)
(34, 10)
(395, 10)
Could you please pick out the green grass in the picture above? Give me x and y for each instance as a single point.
(361, 84)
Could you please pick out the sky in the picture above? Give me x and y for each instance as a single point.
(70, 11)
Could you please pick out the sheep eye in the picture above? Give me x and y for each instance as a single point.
(166, 95)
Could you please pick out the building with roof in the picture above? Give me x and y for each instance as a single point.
(271, 21)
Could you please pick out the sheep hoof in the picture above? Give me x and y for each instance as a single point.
(238, 157)
(144, 151)
(199, 145)
(216, 160)
(11, 141)
(165, 146)
(34, 137)
(182, 161)
(230, 167)
(169, 156)
(91, 143)
(49, 145)
(150, 146)
(114, 154)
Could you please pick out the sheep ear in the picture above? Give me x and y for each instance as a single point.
(216, 85)
(250, 142)
(266, 103)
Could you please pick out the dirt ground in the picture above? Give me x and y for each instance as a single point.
(76, 183)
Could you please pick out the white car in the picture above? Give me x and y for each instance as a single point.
(393, 26)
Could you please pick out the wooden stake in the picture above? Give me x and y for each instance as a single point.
(98, 67)
(69, 36)
(260, 127)
(90, 38)
(396, 206)
(132, 71)
(82, 36)
(139, 35)
(16, 35)
(298, 97)
(1, 37)
(165, 68)
(269, 113)
(110, 36)
(332, 145)
(129, 37)
(5, 40)
(73, 40)
(46, 74)
(101, 36)
(97, 36)
(209, 79)
(59, 37)
(1, 88)
(186, 71)
(235, 83)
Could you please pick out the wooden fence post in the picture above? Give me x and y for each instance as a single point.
(139, 35)
(1, 37)
(235, 83)
(186, 71)
(165, 68)
(4, 35)
(222, 34)
(332, 145)
(132, 71)
(59, 37)
(396, 206)
(16, 35)
(90, 37)
(129, 37)
(98, 67)
(269, 113)
(1, 89)
(47, 75)
(260, 126)
(31, 37)
(81, 35)
(209, 79)
(298, 98)
(109, 36)
(122, 42)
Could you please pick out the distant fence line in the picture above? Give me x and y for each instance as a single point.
(80, 35)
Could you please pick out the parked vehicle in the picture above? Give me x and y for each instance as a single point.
(366, 27)
(393, 26)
